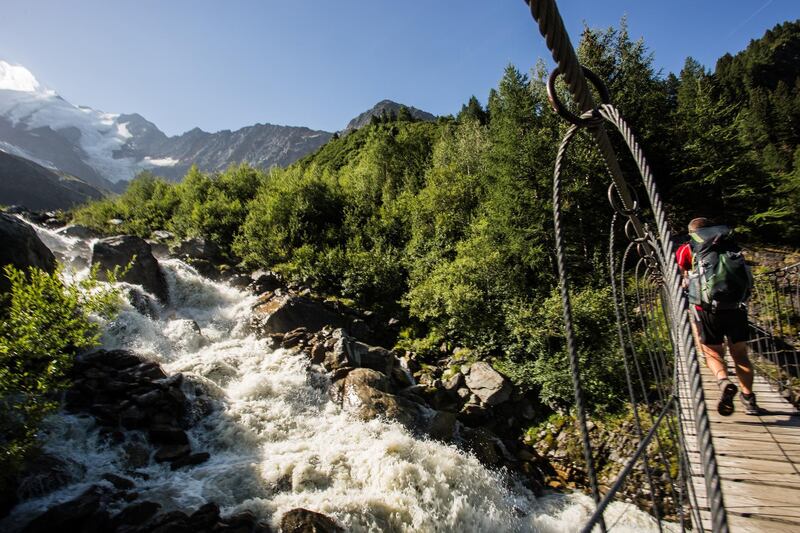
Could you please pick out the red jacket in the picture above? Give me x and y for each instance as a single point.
(683, 255)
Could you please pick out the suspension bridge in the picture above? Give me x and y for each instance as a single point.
(703, 471)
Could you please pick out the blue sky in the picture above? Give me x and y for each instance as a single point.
(228, 64)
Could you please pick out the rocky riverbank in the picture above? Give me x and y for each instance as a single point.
(147, 412)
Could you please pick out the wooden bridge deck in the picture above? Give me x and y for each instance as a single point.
(758, 458)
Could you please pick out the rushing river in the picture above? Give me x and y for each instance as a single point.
(277, 442)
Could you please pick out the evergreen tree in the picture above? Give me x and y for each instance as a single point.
(472, 110)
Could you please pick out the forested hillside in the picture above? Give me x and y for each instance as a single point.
(447, 224)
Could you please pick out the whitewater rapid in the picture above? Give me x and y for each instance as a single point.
(277, 442)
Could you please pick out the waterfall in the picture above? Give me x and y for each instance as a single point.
(277, 442)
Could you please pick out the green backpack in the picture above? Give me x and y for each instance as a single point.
(720, 278)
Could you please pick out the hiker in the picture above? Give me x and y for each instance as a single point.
(719, 284)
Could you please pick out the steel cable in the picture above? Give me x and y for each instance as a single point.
(574, 363)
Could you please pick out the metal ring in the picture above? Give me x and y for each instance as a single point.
(614, 199)
(569, 116)
(630, 232)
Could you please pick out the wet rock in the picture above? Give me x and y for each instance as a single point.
(143, 302)
(483, 444)
(172, 452)
(116, 359)
(281, 314)
(122, 250)
(240, 281)
(162, 235)
(171, 522)
(337, 357)
(135, 515)
(366, 356)
(244, 522)
(441, 425)
(488, 384)
(21, 248)
(473, 414)
(68, 516)
(133, 418)
(365, 393)
(167, 435)
(44, 474)
(137, 454)
(190, 460)
(318, 353)
(402, 376)
(305, 521)
(148, 398)
(197, 248)
(364, 377)
(119, 482)
(205, 516)
(264, 281)
(294, 337)
(78, 231)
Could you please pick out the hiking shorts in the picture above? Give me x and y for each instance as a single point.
(714, 326)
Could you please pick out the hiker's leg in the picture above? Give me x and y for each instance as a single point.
(744, 369)
(715, 361)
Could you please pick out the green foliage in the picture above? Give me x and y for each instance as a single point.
(544, 358)
(447, 224)
(45, 322)
(149, 203)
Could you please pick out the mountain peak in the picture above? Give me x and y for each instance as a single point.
(388, 107)
(18, 78)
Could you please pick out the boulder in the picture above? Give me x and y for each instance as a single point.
(120, 251)
(265, 280)
(366, 393)
(162, 235)
(305, 521)
(366, 356)
(190, 460)
(44, 474)
(282, 314)
(205, 517)
(21, 248)
(172, 452)
(76, 230)
(441, 425)
(135, 515)
(197, 248)
(488, 384)
(68, 516)
(116, 359)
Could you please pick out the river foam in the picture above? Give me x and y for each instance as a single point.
(277, 442)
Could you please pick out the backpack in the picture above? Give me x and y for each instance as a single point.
(720, 278)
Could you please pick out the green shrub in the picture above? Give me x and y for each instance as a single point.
(46, 321)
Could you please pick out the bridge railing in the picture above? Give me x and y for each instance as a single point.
(775, 329)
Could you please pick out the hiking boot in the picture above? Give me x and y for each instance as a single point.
(729, 390)
(750, 405)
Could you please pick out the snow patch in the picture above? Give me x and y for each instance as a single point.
(164, 162)
(122, 130)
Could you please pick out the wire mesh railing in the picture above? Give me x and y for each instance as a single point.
(774, 323)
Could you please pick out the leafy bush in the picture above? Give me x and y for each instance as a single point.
(543, 362)
(45, 323)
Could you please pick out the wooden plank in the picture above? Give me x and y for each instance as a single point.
(758, 458)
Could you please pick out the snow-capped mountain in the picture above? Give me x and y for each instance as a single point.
(106, 148)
